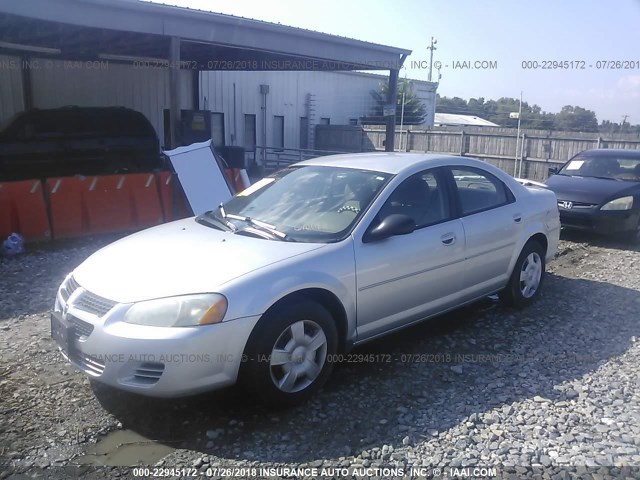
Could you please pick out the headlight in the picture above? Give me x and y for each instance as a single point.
(183, 311)
(623, 203)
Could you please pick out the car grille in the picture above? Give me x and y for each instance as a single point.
(88, 363)
(148, 373)
(577, 204)
(69, 287)
(92, 303)
(576, 221)
(82, 329)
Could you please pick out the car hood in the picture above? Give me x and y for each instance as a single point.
(587, 189)
(178, 258)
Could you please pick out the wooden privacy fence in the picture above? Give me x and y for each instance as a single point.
(539, 149)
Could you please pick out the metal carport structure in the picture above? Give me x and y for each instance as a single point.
(180, 39)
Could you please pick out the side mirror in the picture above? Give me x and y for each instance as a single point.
(395, 224)
(552, 170)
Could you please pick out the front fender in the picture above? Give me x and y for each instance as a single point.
(331, 268)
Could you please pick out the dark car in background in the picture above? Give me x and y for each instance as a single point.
(65, 141)
(599, 191)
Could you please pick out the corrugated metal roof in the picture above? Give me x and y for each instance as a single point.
(239, 17)
(207, 37)
(455, 119)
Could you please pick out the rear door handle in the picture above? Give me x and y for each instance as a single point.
(517, 218)
(448, 239)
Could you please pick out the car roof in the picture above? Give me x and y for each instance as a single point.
(611, 152)
(389, 162)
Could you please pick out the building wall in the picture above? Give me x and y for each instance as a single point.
(58, 83)
(338, 96)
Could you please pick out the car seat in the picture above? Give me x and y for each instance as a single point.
(411, 198)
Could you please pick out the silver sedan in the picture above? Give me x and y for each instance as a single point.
(270, 287)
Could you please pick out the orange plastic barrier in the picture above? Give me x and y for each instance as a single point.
(103, 204)
(231, 177)
(8, 216)
(108, 204)
(147, 210)
(237, 178)
(23, 210)
(67, 210)
(172, 198)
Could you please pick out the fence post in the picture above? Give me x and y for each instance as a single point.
(522, 150)
(462, 143)
(599, 141)
(426, 140)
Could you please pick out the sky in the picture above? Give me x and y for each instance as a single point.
(589, 33)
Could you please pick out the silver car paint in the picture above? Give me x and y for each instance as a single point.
(378, 293)
(398, 284)
(178, 258)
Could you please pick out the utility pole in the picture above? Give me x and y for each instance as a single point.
(404, 85)
(432, 48)
(515, 166)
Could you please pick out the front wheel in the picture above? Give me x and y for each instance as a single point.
(527, 277)
(633, 236)
(288, 353)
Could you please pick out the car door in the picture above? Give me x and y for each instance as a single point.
(408, 277)
(492, 222)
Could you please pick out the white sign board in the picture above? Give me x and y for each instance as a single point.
(388, 111)
(575, 164)
(201, 177)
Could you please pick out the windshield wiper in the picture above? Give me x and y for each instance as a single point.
(211, 221)
(261, 225)
(602, 178)
(224, 216)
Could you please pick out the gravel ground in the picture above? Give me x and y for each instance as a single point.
(545, 391)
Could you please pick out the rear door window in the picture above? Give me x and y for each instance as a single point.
(479, 190)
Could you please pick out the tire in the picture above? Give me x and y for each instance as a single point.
(279, 366)
(521, 292)
(633, 237)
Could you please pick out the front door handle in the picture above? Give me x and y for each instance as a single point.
(448, 239)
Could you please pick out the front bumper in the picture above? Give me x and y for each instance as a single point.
(154, 361)
(598, 221)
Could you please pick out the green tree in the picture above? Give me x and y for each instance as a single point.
(414, 110)
(570, 118)
(476, 106)
(498, 111)
(611, 127)
(452, 105)
(576, 119)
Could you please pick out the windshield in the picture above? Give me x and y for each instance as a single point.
(604, 166)
(305, 204)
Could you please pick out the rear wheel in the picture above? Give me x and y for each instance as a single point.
(288, 353)
(527, 277)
